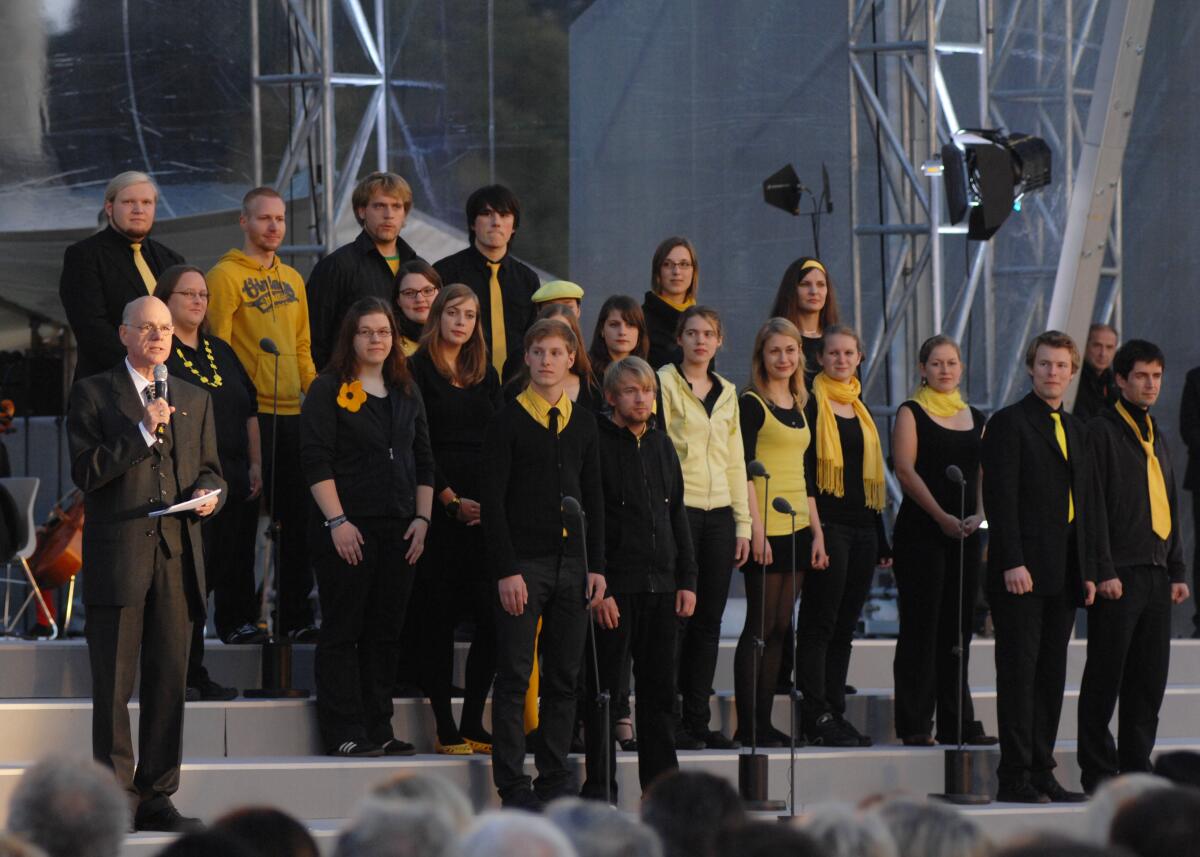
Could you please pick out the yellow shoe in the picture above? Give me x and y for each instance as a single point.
(479, 747)
(463, 749)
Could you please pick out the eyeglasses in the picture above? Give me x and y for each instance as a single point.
(190, 295)
(381, 333)
(685, 265)
(147, 329)
(413, 294)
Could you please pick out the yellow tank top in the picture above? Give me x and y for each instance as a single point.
(781, 450)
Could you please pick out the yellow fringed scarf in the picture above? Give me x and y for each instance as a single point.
(939, 404)
(831, 468)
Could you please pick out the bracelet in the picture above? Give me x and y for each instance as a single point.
(334, 523)
(422, 518)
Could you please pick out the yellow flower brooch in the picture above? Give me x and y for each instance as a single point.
(351, 396)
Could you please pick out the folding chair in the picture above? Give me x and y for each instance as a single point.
(23, 491)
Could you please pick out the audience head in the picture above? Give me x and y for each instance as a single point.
(766, 839)
(1114, 794)
(699, 334)
(845, 832)
(675, 271)
(596, 829)
(367, 338)
(1058, 846)
(493, 218)
(688, 808)
(390, 828)
(145, 331)
(1101, 345)
(582, 366)
(927, 829)
(381, 203)
(208, 843)
(453, 323)
(183, 289)
(129, 203)
(514, 834)
(429, 789)
(620, 331)
(269, 832)
(939, 363)
(417, 284)
(779, 356)
(805, 289)
(1138, 369)
(14, 846)
(1182, 767)
(562, 292)
(70, 807)
(1052, 360)
(841, 352)
(1160, 823)
(629, 388)
(263, 220)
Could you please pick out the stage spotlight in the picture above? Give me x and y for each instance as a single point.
(783, 189)
(987, 174)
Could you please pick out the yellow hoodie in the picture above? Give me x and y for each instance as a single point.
(710, 448)
(247, 302)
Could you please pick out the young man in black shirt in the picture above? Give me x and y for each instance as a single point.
(505, 286)
(651, 575)
(1097, 389)
(539, 453)
(1140, 571)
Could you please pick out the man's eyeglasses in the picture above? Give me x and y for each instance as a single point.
(147, 329)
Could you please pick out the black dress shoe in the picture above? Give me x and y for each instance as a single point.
(860, 739)
(714, 739)
(164, 817)
(922, 740)
(307, 634)
(827, 732)
(208, 690)
(1020, 793)
(1054, 791)
(524, 799)
(246, 635)
(685, 740)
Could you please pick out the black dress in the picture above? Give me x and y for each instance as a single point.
(926, 572)
(661, 321)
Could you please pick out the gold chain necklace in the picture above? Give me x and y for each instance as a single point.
(212, 364)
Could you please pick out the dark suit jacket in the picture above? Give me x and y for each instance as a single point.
(1189, 427)
(98, 279)
(119, 476)
(1025, 481)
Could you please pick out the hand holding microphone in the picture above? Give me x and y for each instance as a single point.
(158, 410)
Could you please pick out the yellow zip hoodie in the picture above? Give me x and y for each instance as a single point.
(247, 302)
(709, 448)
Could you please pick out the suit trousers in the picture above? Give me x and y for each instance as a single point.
(646, 631)
(362, 610)
(1032, 633)
(556, 586)
(292, 501)
(156, 634)
(1128, 653)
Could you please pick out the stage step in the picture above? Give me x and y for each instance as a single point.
(42, 670)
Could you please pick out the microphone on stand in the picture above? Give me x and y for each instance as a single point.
(782, 506)
(268, 345)
(756, 470)
(159, 391)
(954, 474)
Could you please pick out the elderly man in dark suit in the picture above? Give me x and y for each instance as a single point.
(1036, 486)
(132, 454)
(105, 271)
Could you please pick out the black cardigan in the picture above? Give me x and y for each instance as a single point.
(354, 450)
(521, 498)
(661, 321)
(1123, 535)
(648, 545)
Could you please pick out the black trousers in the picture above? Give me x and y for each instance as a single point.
(1032, 633)
(362, 609)
(454, 582)
(714, 538)
(1196, 557)
(291, 509)
(925, 666)
(556, 595)
(831, 602)
(1129, 651)
(229, 538)
(155, 634)
(646, 631)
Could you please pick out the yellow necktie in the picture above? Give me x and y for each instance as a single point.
(496, 304)
(1060, 435)
(139, 262)
(1160, 508)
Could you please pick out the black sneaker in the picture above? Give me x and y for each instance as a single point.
(686, 740)
(523, 799)
(827, 732)
(848, 727)
(357, 749)
(164, 817)
(1020, 793)
(208, 690)
(1054, 791)
(715, 740)
(396, 747)
(307, 634)
(246, 635)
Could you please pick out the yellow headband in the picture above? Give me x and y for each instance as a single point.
(813, 263)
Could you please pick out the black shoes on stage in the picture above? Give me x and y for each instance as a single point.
(1043, 789)
(161, 815)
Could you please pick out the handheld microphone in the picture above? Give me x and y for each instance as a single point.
(954, 474)
(755, 469)
(159, 391)
(781, 505)
(268, 345)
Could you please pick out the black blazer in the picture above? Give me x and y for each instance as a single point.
(1189, 427)
(119, 476)
(1025, 481)
(98, 280)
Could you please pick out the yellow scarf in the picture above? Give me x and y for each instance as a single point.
(831, 467)
(939, 404)
(676, 306)
(539, 408)
(1160, 507)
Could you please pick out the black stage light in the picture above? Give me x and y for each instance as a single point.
(987, 174)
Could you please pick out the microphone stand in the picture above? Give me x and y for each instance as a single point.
(795, 694)
(277, 650)
(603, 697)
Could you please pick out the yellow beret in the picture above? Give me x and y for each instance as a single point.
(557, 290)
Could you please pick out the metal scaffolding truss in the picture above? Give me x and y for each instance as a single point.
(312, 81)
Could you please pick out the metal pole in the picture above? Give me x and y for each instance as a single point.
(328, 149)
(255, 96)
(491, 61)
(381, 117)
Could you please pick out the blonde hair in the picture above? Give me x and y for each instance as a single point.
(759, 377)
(119, 182)
(631, 365)
(390, 183)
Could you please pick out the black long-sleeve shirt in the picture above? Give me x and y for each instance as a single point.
(526, 474)
(1123, 535)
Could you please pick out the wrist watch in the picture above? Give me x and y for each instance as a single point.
(453, 506)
